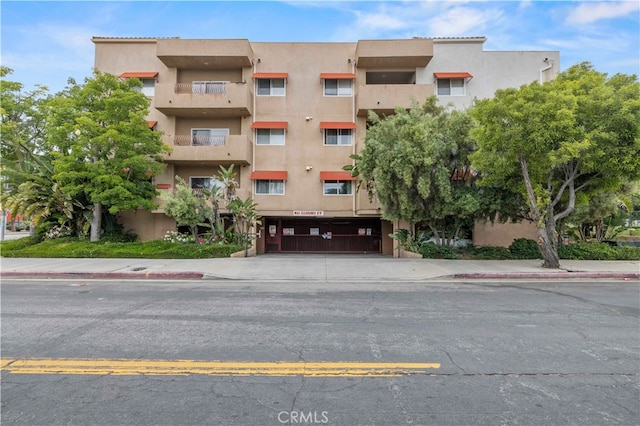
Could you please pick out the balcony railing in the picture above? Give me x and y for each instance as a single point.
(202, 88)
(199, 140)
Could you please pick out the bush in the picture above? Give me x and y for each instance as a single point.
(523, 248)
(434, 251)
(489, 252)
(76, 248)
(597, 251)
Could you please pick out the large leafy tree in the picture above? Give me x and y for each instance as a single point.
(28, 188)
(105, 150)
(416, 163)
(550, 142)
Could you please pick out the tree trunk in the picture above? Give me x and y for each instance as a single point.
(549, 244)
(194, 232)
(96, 222)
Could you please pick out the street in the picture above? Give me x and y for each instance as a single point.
(418, 353)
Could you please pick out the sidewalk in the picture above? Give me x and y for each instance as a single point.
(313, 267)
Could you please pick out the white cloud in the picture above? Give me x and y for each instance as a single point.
(459, 21)
(589, 12)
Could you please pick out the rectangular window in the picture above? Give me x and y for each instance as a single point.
(209, 87)
(270, 187)
(271, 87)
(451, 87)
(337, 87)
(198, 184)
(148, 86)
(270, 136)
(338, 187)
(205, 137)
(337, 136)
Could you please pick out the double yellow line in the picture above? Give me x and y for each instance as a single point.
(133, 367)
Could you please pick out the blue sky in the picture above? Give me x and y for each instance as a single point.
(47, 42)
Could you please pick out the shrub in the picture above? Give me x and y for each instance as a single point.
(523, 248)
(434, 251)
(489, 252)
(587, 251)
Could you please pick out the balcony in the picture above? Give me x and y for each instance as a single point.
(394, 54)
(384, 98)
(213, 149)
(204, 53)
(204, 99)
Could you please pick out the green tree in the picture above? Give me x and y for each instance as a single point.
(104, 147)
(551, 142)
(186, 207)
(416, 163)
(244, 218)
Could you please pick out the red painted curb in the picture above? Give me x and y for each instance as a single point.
(109, 275)
(549, 275)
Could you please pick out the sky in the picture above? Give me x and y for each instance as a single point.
(48, 42)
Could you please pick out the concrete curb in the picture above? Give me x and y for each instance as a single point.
(202, 276)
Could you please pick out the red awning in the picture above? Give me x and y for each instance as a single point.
(139, 74)
(270, 125)
(343, 175)
(152, 124)
(337, 125)
(337, 76)
(452, 75)
(271, 75)
(269, 175)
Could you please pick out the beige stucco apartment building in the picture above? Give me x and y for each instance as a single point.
(289, 115)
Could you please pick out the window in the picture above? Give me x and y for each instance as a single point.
(148, 86)
(270, 187)
(271, 87)
(209, 87)
(451, 86)
(270, 136)
(203, 137)
(337, 87)
(338, 187)
(198, 184)
(337, 136)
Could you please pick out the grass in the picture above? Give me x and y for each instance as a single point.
(74, 248)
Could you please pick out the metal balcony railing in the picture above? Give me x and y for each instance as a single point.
(204, 88)
(199, 140)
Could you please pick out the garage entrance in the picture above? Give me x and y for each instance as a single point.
(337, 235)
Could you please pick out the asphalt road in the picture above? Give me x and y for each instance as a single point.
(518, 353)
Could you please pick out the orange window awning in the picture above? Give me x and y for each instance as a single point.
(269, 125)
(270, 75)
(152, 124)
(339, 175)
(337, 75)
(139, 74)
(440, 75)
(269, 175)
(337, 125)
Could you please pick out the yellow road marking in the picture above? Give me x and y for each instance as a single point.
(132, 367)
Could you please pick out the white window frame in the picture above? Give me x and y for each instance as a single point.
(343, 137)
(272, 186)
(460, 89)
(337, 184)
(208, 86)
(211, 133)
(209, 183)
(276, 137)
(148, 86)
(273, 90)
(340, 91)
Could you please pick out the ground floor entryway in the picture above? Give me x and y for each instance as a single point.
(319, 235)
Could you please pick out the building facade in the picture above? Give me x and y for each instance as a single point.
(289, 115)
